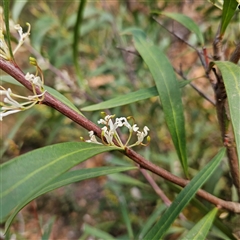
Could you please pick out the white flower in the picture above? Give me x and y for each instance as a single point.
(122, 121)
(9, 100)
(23, 36)
(106, 120)
(4, 50)
(4, 114)
(135, 128)
(92, 138)
(110, 135)
(142, 135)
(10, 105)
(35, 80)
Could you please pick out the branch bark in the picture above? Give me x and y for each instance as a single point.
(223, 114)
(49, 100)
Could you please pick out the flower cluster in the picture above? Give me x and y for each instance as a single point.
(4, 50)
(9, 102)
(10, 105)
(110, 136)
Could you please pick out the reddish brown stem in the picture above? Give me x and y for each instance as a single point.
(49, 100)
(159, 191)
(223, 114)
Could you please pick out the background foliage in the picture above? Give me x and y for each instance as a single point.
(119, 205)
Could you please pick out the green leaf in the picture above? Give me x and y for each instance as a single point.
(124, 179)
(229, 8)
(129, 98)
(169, 93)
(14, 129)
(224, 230)
(183, 198)
(92, 231)
(28, 174)
(151, 219)
(231, 77)
(62, 98)
(217, 3)
(11, 80)
(79, 175)
(124, 210)
(47, 228)
(40, 29)
(124, 99)
(6, 19)
(188, 23)
(17, 8)
(76, 39)
(201, 229)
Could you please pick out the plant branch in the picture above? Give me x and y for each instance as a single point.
(201, 93)
(49, 100)
(223, 112)
(158, 190)
(235, 55)
(200, 55)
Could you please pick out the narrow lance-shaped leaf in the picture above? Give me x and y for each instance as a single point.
(183, 198)
(217, 3)
(201, 229)
(71, 177)
(128, 98)
(169, 93)
(79, 175)
(62, 98)
(27, 174)
(229, 8)
(78, 24)
(126, 218)
(17, 9)
(151, 220)
(6, 19)
(231, 77)
(53, 92)
(186, 22)
(93, 231)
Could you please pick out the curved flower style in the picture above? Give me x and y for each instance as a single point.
(111, 137)
(4, 50)
(10, 105)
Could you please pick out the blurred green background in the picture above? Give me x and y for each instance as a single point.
(110, 67)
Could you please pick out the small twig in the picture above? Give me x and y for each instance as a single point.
(35, 214)
(129, 50)
(235, 55)
(51, 101)
(175, 35)
(201, 93)
(158, 190)
(183, 40)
